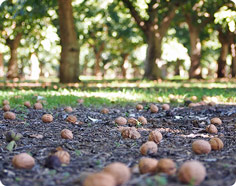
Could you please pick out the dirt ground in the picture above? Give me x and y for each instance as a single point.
(98, 142)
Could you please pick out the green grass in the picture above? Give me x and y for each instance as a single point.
(100, 93)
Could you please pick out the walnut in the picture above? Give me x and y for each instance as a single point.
(132, 121)
(211, 129)
(63, 156)
(71, 119)
(139, 107)
(216, 121)
(216, 143)
(68, 109)
(149, 147)
(38, 106)
(99, 179)
(147, 165)
(153, 108)
(167, 166)
(6, 108)
(142, 120)
(105, 111)
(130, 133)
(66, 134)
(27, 104)
(9, 115)
(201, 147)
(23, 161)
(192, 172)
(119, 171)
(155, 136)
(121, 121)
(47, 118)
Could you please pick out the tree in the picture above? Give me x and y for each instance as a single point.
(159, 15)
(19, 19)
(69, 63)
(197, 15)
(225, 20)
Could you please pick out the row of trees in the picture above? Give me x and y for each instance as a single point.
(116, 28)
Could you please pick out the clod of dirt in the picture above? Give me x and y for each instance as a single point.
(130, 132)
(119, 171)
(142, 120)
(66, 134)
(167, 166)
(211, 129)
(23, 161)
(132, 121)
(147, 165)
(121, 121)
(63, 156)
(216, 143)
(47, 118)
(165, 107)
(38, 106)
(9, 115)
(149, 147)
(155, 136)
(192, 172)
(52, 162)
(71, 119)
(139, 107)
(27, 104)
(153, 108)
(6, 108)
(68, 109)
(99, 179)
(105, 111)
(216, 121)
(201, 147)
(5, 102)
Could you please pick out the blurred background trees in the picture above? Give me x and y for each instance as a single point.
(81, 39)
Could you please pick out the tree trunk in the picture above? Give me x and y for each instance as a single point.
(97, 68)
(225, 43)
(1, 65)
(177, 66)
(195, 52)
(221, 72)
(153, 56)
(123, 65)
(233, 65)
(13, 44)
(69, 63)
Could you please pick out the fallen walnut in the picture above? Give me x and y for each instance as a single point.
(66, 134)
(216, 143)
(9, 115)
(99, 179)
(216, 121)
(68, 109)
(27, 104)
(139, 107)
(155, 136)
(105, 111)
(153, 108)
(63, 156)
(149, 147)
(130, 132)
(201, 147)
(119, 171)
(6, 108)
(121, 121)
(167, 166)
(132, 121)
(211, 129)
(165, 107)
(192, 172)
(23, 161)
(142, 120)
(47, 118)
(38, 106)
(71, 119)
(5, 102)
(147, 165)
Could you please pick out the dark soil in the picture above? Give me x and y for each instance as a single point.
(98, 142)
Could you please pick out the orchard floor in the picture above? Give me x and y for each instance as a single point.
(98, 142)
